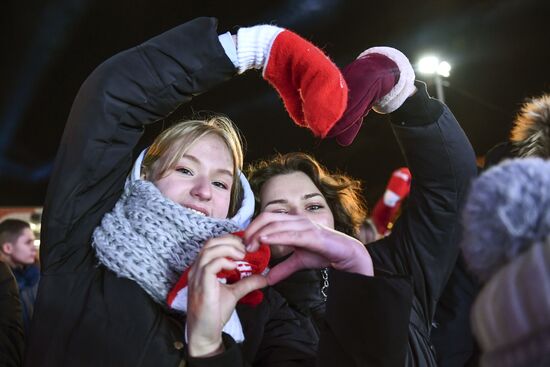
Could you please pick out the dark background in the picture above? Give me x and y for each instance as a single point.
(498, 50)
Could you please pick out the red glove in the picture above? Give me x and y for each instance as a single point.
(312, 88)
(253, 263)
(387, 206)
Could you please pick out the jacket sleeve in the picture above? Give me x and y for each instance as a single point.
(275, 336)
(128, 91)
(424, 241)
(231, 357)
(367, 321)
(11, 320)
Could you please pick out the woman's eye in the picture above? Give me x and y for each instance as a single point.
(221, 185)
(184, 171)
(280, 211)
(314, 207)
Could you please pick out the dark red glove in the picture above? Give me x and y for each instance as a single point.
(381, 78)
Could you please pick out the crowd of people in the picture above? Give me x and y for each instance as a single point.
(182, 255)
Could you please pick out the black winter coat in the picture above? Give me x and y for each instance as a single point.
(366, 324)
(424, 241)
(452, 335)
(84, 314)
(12, 342)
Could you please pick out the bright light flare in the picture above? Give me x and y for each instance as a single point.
(432, 65)
(444, 69)
(428, 65)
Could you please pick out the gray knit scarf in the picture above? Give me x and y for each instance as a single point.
(150, 239)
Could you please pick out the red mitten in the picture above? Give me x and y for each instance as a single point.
(253, 263)
(387, 206)
(311, 86)
(381, 78)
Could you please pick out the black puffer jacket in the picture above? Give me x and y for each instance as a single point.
(424, 241)
(366, 324)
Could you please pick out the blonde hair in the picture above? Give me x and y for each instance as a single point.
(173, 143)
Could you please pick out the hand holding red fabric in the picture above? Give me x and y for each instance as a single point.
(253, 263)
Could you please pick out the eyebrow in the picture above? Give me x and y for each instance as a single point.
(283, 201)
(309, 196)
(222, 171)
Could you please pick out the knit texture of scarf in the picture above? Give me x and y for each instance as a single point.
(151, 240)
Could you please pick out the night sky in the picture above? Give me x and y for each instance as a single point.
(499, 51)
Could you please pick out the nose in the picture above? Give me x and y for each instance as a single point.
(295, 211)
(202, 189)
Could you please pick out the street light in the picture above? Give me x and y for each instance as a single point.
(431, 65)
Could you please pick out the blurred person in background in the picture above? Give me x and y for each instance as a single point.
(506, 246)
(17, 249)
(452, 335)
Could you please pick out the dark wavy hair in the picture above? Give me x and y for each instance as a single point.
(342, 193)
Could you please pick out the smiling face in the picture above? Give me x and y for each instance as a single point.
(202, 179)
(295, 193)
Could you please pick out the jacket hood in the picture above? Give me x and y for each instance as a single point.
(243, 216)
(531, 131)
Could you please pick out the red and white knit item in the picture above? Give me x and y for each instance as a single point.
(253, 263)
(387, 206)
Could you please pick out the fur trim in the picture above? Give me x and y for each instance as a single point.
(505, 213)
(531, 132)
(404, 87)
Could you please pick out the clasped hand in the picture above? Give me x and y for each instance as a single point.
(211, 303)
(314, 245)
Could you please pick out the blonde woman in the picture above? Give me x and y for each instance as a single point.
(115, 240)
